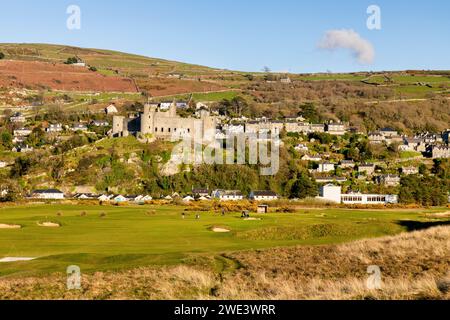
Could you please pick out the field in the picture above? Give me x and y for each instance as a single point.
(42, 75)
(100, 238)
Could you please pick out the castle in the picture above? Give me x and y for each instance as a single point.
(166, 125)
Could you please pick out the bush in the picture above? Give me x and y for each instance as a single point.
(2, 55)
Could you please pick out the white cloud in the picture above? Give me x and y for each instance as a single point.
(362, 49)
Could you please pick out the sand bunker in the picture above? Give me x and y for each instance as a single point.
(220, 230)
(49, 225)
(439, 215)
(10, 226)
(15, 259)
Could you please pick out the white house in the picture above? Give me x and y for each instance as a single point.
(228, 195)
(325, 167)
(146, 198)
(54, 128)
(17, 118)
(301, 148)
(330, 193)
(100, 123)
(308, 157)
(111, 109)
(376, 199)
(48, 194)
(263, 196)
(410, 170)
(188, 199)
(104, 198)
(334, 194)
(22, 132)
(79, 127)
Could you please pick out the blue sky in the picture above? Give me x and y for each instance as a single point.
(242, 34)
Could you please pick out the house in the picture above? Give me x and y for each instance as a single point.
(111, 109)
(325, 167)
(3, 164)
(319, 128)
(168, 198)
(286, 80)
(104, 198)
(188, 199)
(412, 144)
(389, 180)
(367, 168)
(301, 148)
(203, 198)
(330, 193)
(200, 192)
(336, 128)
(263, 196)
(347, 164)
(22, 148)
(54, 128)
(409, 170)
(165, 105)
(119, 199)
(17, 118)
(22, 132)
(47, 194)
(228, 195)
(313, 158)
(99, 123)
(146, 198)
(369, 199)
(79, 127)
(438, 152)
(85, 196)
(389, 132)
(376, 138)
(334, 194)
(330, 179)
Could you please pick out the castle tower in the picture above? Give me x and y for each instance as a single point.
(148, 119)
(117, 128)
(173, 110)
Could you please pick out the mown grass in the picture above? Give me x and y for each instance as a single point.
(128, 237)
(413, 266)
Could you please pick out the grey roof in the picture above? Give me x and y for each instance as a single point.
(47, 191)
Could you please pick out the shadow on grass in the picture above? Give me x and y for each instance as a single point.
(421, 225)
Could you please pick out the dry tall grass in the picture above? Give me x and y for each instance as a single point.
(414, 266)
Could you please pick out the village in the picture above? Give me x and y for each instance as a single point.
(319, 145)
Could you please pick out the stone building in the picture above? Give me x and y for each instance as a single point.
(166, 125)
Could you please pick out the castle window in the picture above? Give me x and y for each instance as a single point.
(169, 129)
(162, 129)
(156, 129)
(189, 130)
(175, 130)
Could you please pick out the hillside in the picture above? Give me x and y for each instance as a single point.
(409, 101)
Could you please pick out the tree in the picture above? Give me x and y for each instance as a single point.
(303, 187)
(309, 111)
(72, 60)
(2, 55)
(6, 139)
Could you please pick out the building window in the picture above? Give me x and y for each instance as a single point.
(156, 129)
(162, 129)
(170, 129)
